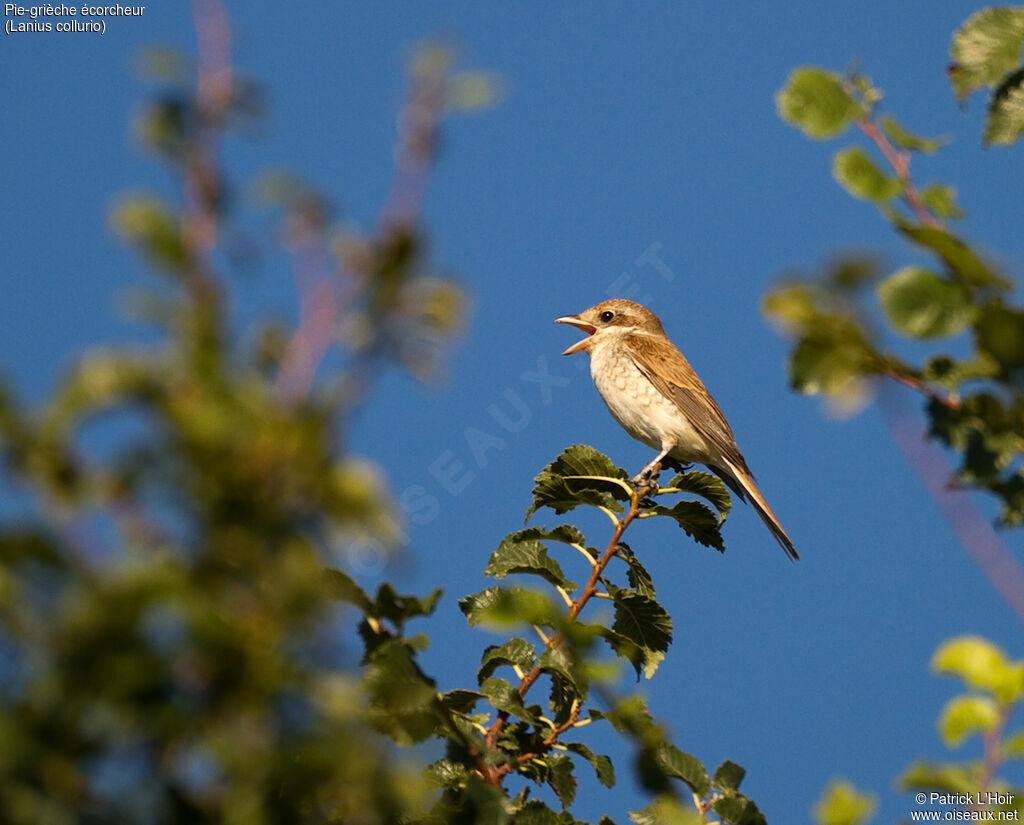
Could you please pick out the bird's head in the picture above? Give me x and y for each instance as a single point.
(609, 320)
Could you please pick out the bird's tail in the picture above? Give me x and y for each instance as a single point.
(742, 483)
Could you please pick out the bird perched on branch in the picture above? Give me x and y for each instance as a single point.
(653, 392)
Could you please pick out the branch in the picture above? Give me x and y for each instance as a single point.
(494, 775)
(900, 163)
(971, 528)
(321, 303)
(214, 81)
(908, 379)
(993, 759)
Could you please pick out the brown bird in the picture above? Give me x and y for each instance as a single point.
(653, 392)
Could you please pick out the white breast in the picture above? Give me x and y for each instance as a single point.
(640, 408)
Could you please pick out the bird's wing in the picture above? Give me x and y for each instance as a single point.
(672, 375)
(670, 372)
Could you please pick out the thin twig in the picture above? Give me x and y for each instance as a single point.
(900, 163)
(901, 376)
(322, 303)
(214, 81)
(549, 740)
(993, 758)
(973, 530)
(494, 776)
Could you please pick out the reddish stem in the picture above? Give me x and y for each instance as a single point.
(896, 374)
(900, 162)
(493, 776)
(992, 760)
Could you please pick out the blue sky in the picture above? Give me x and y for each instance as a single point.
(624, 132)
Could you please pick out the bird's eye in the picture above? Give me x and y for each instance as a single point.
(607, 315)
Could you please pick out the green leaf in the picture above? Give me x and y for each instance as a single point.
(28, 545)
(944, 370)
(342, 587)
(695, 518)
(941, 200)
(1005, 122)
(738, 810)
(999, 332)
(842, 804)
(401, 698)
(517, 554)
(859, 175)
(955, 254)
(975, 659)
(555, 661)
(642, 620)
(388, 604)
(100, 380)
(639, 579)
(920, 304)
(791, 306)
(580, 475)
(665, 810)
(1012, 747)
(815, 101)
(163, 63)
(499, 607)
(641, 632)
(505, 697)
(562, 698)
(907, 140)
(707, 486)
(676, 763)
(966, 715)
(446, 773)
(469, 91)
(149, 224)
(728, 776)
(832, 357)
(460, 700)
(986, 48)
(982, 665)
(479, 803)
(645, 661)
(629, 715)
(561, 778)
(565, 533)
(533, 812)
(949, 777)
(851, 271)
(517, 653)
(602, 765)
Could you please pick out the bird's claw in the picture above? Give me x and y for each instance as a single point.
(676, 465)
(647, 477)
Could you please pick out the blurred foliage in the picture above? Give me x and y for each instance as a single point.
(842, 804)
(959, 309)
(973, 383)
(177, 616)
(169, 631)
(957, 790)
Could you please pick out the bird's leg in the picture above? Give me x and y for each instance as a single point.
(651, 470)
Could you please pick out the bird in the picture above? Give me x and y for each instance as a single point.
(652, 391)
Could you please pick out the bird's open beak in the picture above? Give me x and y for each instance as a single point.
(579, 323)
